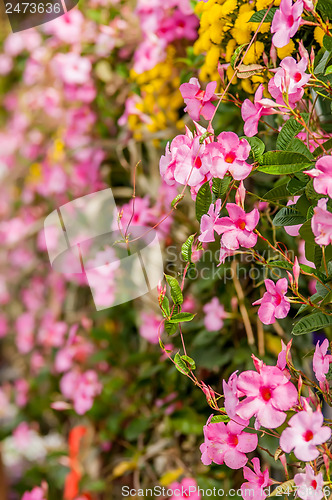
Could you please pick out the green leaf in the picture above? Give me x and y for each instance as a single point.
(176, 292)
(280, 264)
(325, 8)
(306, 233)
(327, 146)
(186, 249)
(312, 323)
(203, 200)
(189, 361)
(165, 306)
(237, 54)
(288, 217)
(170, 328)
(327, 43)
(219, 418)
(279, 192)
(295, 186)
(220, 186)
(283, 162)
(181, 317)
(177, 199)
(320, 68)
(180, 365)
(311, 194)
(284, 489)
(318, 255)
(297, 146)
(327, 299)
(287, 134)
(257, 148)
(302, 205)
(258, 16)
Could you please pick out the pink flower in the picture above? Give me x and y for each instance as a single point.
(208, 222)
(149, 53)
(25, 325)
(309, 486)
(232, 395)
(304, 433)
(227, 444)
(149, 329)
(224, 253)
(321, 360)
(286, 22)
(35, 494)
(289, 79)
(22, 390)
(214, 315)
(237, 229)
(321, 223)
(283, 355)
(322, 175)
(191, 163)
(251, 112)
(268, 395)
(229, 154)
(198, 101)
(186, 489)
(72, 68)
(257, 481)
(81, 388)
(273, 304)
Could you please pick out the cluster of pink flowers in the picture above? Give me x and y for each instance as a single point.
(162, 22)
(268, 394)
(81, 388)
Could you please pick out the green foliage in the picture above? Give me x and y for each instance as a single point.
(258, 16)
(312, 323)
(288, 216)
(203, 200)
(176, 292)
(287, 134)
(283, 163)
(220, 186)
(186, 249)
(257, 148)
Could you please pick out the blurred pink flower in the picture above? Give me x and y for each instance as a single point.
(322, 175)
(214, 315)
(21, 392)
(72, 68)
(304, 433)
(198, 101)
(273, 304)
(25, 325)
(149, 327)
(321, 223)
(237, 229)
(81, 388)
(286, 22)
(186, 489)
(257, 481)
(309, 485)
(268, 395)
(35, 494)
(227, 444)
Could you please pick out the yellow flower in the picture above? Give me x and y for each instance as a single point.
(286, 51)
(230, 50)
(319, 35)
(216, 33)
(212, 57)
(242, 28)
(254, 53)
(265, 28)
(247, 87)
(228, 7)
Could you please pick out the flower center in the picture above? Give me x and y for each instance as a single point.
(200, 95)
(230, 157)
(297, 77)
(241, 224)
(233, 440)
(290, 20)
(308, 436)
(198, 162)
(266, 393)
(314, 484)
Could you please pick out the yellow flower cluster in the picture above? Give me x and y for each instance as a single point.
(160, 98)
(224, 26)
